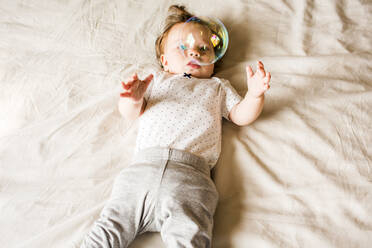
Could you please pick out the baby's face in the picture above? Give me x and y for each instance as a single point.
(176, 59)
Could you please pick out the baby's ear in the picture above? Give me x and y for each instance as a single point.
(164, 62)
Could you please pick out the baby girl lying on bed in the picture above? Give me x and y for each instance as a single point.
(167, 188)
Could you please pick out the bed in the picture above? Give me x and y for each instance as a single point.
(300, 176)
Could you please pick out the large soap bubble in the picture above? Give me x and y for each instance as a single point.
(204, 40)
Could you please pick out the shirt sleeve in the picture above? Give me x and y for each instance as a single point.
(229, 98)
(147, 94)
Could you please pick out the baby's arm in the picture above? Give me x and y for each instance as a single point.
(251, 106)
(132, 103)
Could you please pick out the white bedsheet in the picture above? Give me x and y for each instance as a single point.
(300, 176)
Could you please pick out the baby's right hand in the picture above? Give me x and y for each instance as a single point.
(135, 88)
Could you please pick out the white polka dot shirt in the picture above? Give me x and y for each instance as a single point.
(186, 113)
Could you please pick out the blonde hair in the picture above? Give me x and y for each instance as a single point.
(177, 14)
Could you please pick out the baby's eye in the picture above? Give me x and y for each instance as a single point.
(182, 47)
(204, 48)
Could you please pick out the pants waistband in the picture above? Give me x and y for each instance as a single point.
(151, 155)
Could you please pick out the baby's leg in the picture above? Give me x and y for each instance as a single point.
(113, 228)
(186, 208)
(126, 213)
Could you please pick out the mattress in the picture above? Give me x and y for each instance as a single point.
(299, 176)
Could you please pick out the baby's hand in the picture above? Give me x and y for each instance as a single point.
(258, 82)
(135, 88)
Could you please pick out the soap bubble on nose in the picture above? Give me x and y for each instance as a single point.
(204, 40)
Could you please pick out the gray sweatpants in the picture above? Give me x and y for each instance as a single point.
(163, 190)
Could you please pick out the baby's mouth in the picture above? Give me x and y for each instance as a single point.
(194, 64)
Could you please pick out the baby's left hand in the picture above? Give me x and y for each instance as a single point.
(258, 82)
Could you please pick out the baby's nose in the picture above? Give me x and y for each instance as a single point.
(193, 53)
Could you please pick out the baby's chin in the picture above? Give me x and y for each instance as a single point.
(199, 73)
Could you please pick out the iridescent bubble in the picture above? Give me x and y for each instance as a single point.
(204, 40)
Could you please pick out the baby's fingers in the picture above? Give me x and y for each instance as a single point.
(126, 86)
(125, 94)
(267, 78)
(131, 82)
(134, 77)
(249, 72)
(266, 81)
(148, 79)
(261, 69)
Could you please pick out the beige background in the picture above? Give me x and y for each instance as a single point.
(300, 176)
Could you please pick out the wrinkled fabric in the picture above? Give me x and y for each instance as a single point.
(299, 176)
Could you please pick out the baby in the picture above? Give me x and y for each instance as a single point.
(167, 188)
